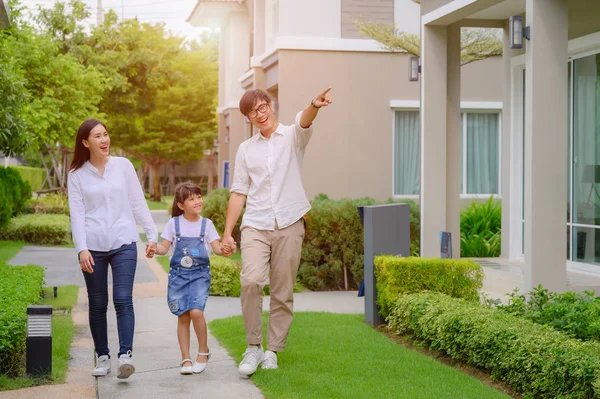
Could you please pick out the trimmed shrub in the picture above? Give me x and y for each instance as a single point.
(14, 193)
(534, 359)
(574, 313)
(34, 176)
(480, 229)
(56, 203)
(39, 229)
(20, 286)
(215, 209)
(458, 278)
(333, 245)
(225, 277)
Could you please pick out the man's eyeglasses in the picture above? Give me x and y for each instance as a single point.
(261, 108)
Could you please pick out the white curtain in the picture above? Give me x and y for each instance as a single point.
(482, 153)
(407, 153)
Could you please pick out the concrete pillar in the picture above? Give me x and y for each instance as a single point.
(546, 102)
(506, 145)
(433, 137)
(440, 137)
(453, 132)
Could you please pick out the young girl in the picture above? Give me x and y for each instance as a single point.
(192, 237)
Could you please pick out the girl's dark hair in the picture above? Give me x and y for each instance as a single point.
(82, 153)
(184, 191)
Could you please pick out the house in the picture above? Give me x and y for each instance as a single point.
(550, 159)
(367, 142)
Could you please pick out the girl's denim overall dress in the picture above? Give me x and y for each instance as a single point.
(189, 281)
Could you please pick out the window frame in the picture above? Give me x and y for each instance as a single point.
(466, 107)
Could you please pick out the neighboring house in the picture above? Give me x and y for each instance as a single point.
(4, 12)
(367, 142)
(550, 131)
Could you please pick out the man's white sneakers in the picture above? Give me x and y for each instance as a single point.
(269, 361)
(252, 358)
(102, 366)
(126, 366)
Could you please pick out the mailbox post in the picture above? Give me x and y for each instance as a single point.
(386, 232)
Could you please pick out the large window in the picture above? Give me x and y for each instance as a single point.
(584, 187)
(480, 158)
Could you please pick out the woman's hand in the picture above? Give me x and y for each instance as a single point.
(86, 261)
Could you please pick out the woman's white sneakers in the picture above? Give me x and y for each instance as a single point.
(102, 366)
(126, 366)
(197, 368)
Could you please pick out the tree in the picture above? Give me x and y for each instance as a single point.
(13, 94)
(62, 92)
(476, 43)
(182, 123)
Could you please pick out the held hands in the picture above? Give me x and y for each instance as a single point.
(86, 261)
(150, 249)
(227, 246)
(322, 99)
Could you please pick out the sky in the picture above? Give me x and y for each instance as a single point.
(172, 12)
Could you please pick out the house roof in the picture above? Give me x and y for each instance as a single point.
(200, 2)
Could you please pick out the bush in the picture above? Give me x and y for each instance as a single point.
(534, 359)
(39, 229)
(575, 313)
(459, 278)
(14, 192)
(225, 280)
(480, 229)
(215, 209)
(20, 286)
(333, 245)
(56, 203)
(34, 176)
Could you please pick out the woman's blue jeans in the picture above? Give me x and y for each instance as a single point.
(123, 262)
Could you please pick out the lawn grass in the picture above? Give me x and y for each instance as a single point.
(165, 203)
(65, 300)
(164, 262)
(9, 249)
(63, 329)
(339, 356)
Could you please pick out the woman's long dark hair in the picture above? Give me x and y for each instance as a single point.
(82, 153)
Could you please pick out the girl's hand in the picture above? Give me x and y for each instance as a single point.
(86, 261)
(150, 249)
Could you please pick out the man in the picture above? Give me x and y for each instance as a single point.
(267, 178)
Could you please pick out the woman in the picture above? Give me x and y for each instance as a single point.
(106, 200)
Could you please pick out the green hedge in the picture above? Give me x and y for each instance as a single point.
(333, 245)
(574, 313)
(39, 229)
(459, 278)
(34, 176)
(14, 193)
(225, 277)
(535, 359)
(215, 209)
(20, 286)
(56, 203)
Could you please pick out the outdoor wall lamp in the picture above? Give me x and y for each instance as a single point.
(39, 341)
(518, 32)
(414, 68)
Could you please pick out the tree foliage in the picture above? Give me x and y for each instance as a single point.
(476, 43)
(156, 94)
